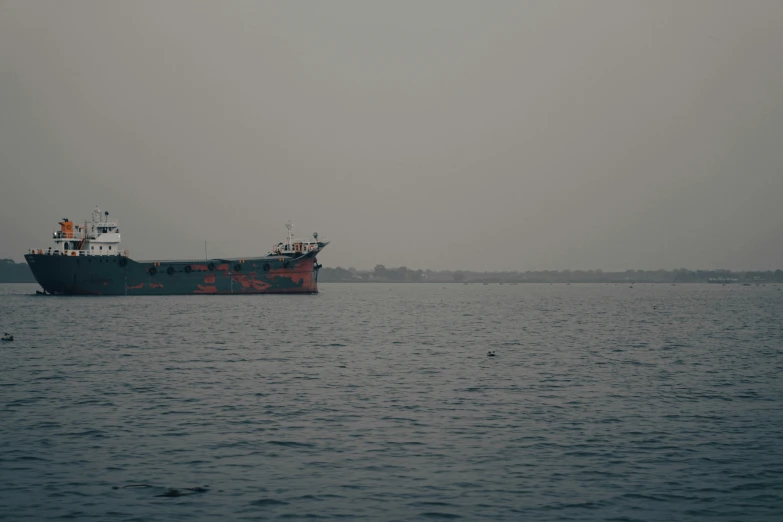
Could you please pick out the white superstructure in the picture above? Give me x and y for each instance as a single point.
(98, 237)
(296, 247)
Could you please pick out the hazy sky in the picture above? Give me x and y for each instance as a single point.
(446, 134)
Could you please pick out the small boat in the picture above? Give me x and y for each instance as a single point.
(7, 338)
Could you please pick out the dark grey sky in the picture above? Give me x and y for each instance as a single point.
(441, 134)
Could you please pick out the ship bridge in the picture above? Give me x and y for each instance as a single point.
(98, 237)
(297, 247)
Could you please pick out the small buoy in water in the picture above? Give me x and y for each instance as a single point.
(491, 354)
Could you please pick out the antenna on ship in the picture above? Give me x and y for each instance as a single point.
(290, 226)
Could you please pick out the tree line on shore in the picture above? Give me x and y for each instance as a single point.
(13, 272)
(406, 275)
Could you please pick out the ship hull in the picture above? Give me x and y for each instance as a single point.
(117, 275)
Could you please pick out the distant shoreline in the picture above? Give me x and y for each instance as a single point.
(12, 272)
(381, 274)
(737, 283)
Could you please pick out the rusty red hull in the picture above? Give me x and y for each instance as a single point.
(117, 275)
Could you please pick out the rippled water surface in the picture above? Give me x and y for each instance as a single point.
(378, 402)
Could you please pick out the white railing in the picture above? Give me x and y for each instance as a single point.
(298, 246)
(76, 253)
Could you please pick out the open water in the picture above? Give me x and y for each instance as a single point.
(378, 402)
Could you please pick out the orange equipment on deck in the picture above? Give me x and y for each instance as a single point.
(66, 227)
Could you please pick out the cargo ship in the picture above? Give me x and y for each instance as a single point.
(86, 259)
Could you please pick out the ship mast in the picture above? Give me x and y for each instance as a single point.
(290, 240)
